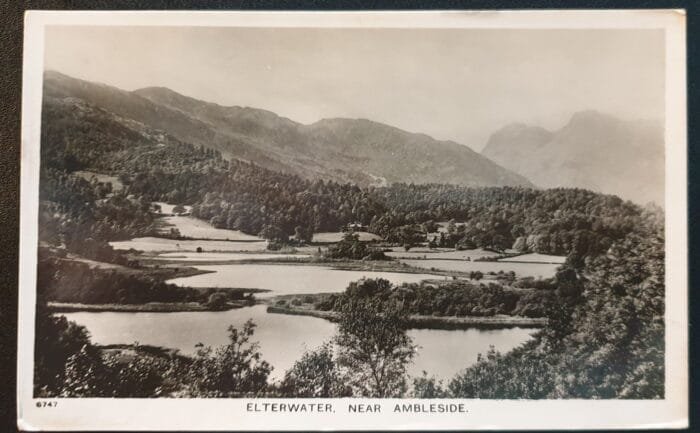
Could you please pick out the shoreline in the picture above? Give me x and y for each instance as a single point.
(342, 265)
(416, 321)
(150, 307)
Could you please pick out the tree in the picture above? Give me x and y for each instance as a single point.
(302, 234)
(350, 247)
(216, 301)
(85, 375)
(57, 340)
(315, 375)
(234, 370)
(274, 234)
(374, 348)
(428, 387)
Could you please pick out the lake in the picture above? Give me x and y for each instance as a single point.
(544, 270)
(229, 257)
(288, 279)
(283, 339)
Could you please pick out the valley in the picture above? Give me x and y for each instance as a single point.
(177, 226)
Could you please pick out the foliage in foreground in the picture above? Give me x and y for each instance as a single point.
(608, 344)
(374, 348)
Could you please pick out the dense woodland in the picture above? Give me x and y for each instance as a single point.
(605, 334)
(457, 298)
(246, 197)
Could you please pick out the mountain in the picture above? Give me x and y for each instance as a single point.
(593, 150)
(345, 150)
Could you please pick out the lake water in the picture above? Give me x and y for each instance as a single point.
(283, 339)
(544, 270)
(229, 257)
(289, 279)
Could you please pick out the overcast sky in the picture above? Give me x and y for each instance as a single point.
(459, 85)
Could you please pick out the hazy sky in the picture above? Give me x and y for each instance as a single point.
(452, 84)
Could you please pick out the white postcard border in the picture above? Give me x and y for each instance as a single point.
(233, 414)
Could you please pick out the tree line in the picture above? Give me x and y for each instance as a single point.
(454, 298)
(242, 196)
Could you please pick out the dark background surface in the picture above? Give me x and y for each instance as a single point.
(11, 32)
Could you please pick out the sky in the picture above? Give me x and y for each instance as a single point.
(452, 84)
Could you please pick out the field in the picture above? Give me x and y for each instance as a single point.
(439, 254)
(228, 257)
(332, 237)
(194, 228)
(151, 244)
(535, 258)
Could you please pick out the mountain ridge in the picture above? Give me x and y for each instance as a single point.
(364, 152)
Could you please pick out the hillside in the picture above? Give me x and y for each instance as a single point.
(346, 150)
(594, 151)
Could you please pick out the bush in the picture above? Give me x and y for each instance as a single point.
(315, 375)
(217, 301)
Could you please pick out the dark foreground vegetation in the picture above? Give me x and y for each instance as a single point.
(62, 280)
(604, 337)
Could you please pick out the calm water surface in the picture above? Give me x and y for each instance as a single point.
(283, 339)
(230, 257)
(288, 279)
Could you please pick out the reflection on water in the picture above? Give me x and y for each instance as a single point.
(283, 339)
(289, 279)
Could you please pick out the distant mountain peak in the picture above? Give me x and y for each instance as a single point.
(594, 150)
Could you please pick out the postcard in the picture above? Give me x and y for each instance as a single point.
(353, 221)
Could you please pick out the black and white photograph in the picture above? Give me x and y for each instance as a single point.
(429, 214)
